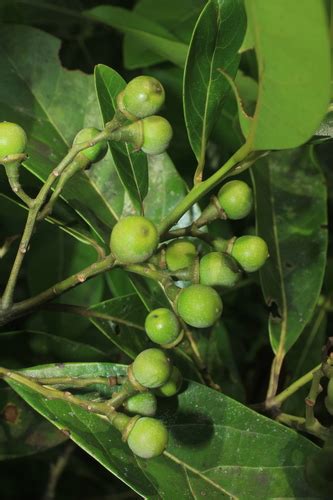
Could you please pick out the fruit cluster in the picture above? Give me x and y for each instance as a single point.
(136, 240)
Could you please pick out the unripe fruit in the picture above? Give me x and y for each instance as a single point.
(236, 199)
(151, 368)
(218, 269)
(143, 403)
(94, 153)
(162, 326)
(180, 254)
(172, 386)
(13, 139)
(199, 305)
(250, 252)
(148, 438)
(329, 397)
(133, 239)
(143, 96)
(157, 134)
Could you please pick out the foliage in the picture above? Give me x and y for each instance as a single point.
(247, 94)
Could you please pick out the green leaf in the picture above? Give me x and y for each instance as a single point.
(293, 54)
(147, 33)
(68, 257)
(131, 165)
(177, 17)
(22, 431)
(216, 445)
(52, 104)
(216, 39)
(164, 180)
(291, 217)
(123, 323)
(23, 347)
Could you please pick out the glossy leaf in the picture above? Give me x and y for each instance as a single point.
(147, 33)
(30, 346)
(293, 55)
(131, 165)
(215, 42)
(22, 431)
(164, 180)
(124, 323)
(40, 95)
(291, 217)
(177, 17)
(216, 445)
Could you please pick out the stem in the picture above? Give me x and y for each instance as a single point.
(56, 471)
(199, 190)
(7, 298)
(299, 424)
(294, 387)
(76, 382)
(50, 393)
(79, 163)
(21, 308)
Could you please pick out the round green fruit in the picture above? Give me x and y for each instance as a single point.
(151, 368)
(157, 134)
(172, 386)
(133, 239)
(199, 305)
(250, 252)
(143, 96)
(143, 403)
(180, 254)
(13, 139)
(148, 438)
(94, 153)
(162, 326)
(236, 199)
(218, 269)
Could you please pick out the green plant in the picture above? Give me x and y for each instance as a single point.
(180, 254)
(199, 306)
(218, 269)
(120, 227)
(143, 403)
(162, 326)
(133, 239)
(173, 384)
(148, 438)
(250, 252)
(96, 152)
(143, 96)
(236, 199)
(151, 368)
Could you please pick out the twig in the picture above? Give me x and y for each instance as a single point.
(56, 471)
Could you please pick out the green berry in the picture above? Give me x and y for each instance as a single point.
(143, 403)
(218, 269)
(199, 305)
(236, 199)
(148, 438)
(143, 96)
(162, 326)
(94, 153)
(329, 397)
(250, 252)
(151, 368)
(172, 386)
(180, 254)
(157, 134)
(13, 139)
(133, 239)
